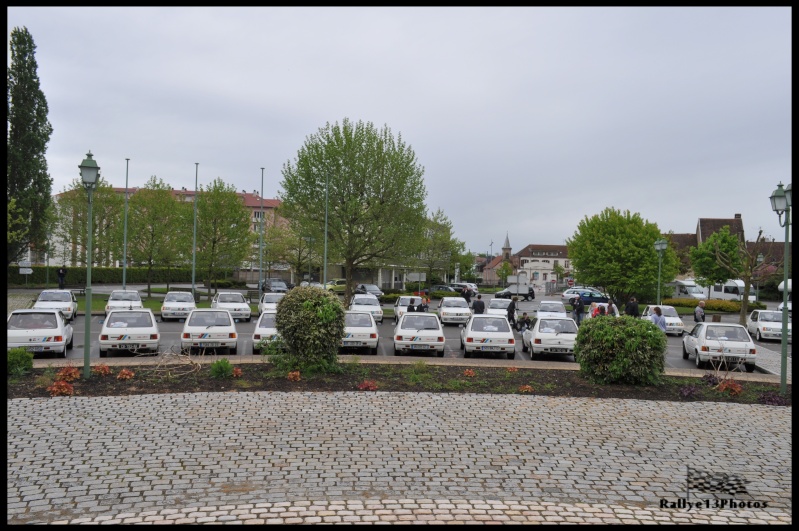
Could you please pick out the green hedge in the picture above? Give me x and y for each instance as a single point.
(714, 305)
(76, 276)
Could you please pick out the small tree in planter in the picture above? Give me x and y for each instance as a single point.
(620, 350)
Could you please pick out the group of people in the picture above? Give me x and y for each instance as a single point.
(422, 306)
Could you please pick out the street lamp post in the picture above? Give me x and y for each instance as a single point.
(89, 172)
(261, 243)
(760, 259)
(660, 246)
(125, 230)
(194, 241)
(324, 278)
(781, 203)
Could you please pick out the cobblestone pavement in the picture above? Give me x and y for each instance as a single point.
(359, 457)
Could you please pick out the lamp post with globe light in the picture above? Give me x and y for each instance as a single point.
(781, 203)
(660, 246)
(89, 173)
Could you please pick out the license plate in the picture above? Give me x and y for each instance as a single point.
(352, 343)
(732, 360)
(128, 345)
(208, 345)
(420, 347)
(490, 348)
(558, 350)
(35, 349)
(179, 313)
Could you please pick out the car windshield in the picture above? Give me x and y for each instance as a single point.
(267, 321)
(358, 320)
(209, 319)
(490, 324)
(231, 297)
(277, 284)
(404, 301)
(124, 296)
(454, 302)
(28, 321)
(557, 326)
(371, 287)
(129, 320)
(771, 316)
(668, 311)
(54, 296)
(502, 304)
(178, 297)
(419, 322)
(726, 333)
(366, 301)
(552, 307)
(273, 297)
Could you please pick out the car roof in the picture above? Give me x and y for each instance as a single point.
(36, 310)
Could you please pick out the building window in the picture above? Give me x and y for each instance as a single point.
(556, 262)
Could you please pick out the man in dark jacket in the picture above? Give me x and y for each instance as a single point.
(412, 306)
(512, 311)
(631, 308)
(577, 309)
(467, 294)
(479, 306)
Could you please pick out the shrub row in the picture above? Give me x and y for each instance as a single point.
(714, 305)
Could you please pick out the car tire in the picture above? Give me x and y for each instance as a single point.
(684, 352)
(103, 353)
(511, 355)
(699, 363)
(524, 347)
(463, 345)
(533, 355)
(256, 352)
(750, 367)
(466, 353)
(373, 351)
(397, 352)
(758, 336)
(69, 345)
(233, 351)
(441, 353)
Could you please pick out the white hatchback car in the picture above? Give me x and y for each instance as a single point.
(209, 328)
(551, 335)
(129, 330)
(39, 331)
(498, 307)
(365, 302)
(548, 309)
(419, 332)
(123, 299)
(58, 299)
(360, 331)
(488, 333)
(720, 342)
(401, 305)
(234, 302)
(766, 324)
(269, 302)
(453, 310)
(177, 305)
(674, 324)
(265, 330)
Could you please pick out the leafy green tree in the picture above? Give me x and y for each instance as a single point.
(224, 239)
(504, 271)
(375, 195)
(15, 218)
(616, 250)
(27, 134)
(440, 249)
(559, 271)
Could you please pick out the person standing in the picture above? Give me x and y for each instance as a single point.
(631, 308)
(467, 294)
(577, 309)
(421, 307)
(479, 306)
(412, 306)
(699, 312)
(62, 276)
(658, 319)
(612, 309)
(512, 311)
(593, 310)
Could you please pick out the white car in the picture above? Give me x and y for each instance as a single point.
(367, 303)
(209, 328)
(453, 310)
(720, 342)
(779, 306)
(177, 305)
(674, 324)
(498, 307)
(401, 305)
(552, 335)
(58, 299)
(360, 331)
(265, 330)
(419, 332)
(123, 299)
(39, 330)
(234, 302)
(551, 309)
(269, 302)
(129, 330)
(766, 324)
(488, 333)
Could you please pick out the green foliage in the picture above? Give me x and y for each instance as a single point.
(714, 305)
(222, 368)
(27, 135)
(622, 350)
(440, 248)
(20, 361)
(706, 262)
(311, 323)
(615, 250)
(504, 271)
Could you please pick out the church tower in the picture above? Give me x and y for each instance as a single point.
(506, 248)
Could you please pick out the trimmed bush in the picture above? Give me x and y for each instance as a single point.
(20, 361)
(714, 305)
(310, 322)
(221, 368)
(620, 350)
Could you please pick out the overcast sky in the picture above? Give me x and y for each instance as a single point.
(525, 120)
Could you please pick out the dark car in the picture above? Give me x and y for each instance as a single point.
(508, 294)
(591, 296)
(275, 285)
(369, 288)
(438, 287)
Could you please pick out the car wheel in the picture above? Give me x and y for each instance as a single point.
(463, 346)
(466, 353)
(699, 363)
(397, 352)
(524, 347)
(256, 352)
(758, 336)
(69, 345)
(684, 352)
(233, 351)
(750, 367)
(373, 351)
(103, 353)
(441, 353)
(511, 355)
(532, 354)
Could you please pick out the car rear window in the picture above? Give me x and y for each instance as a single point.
(129, 320)
(32, 321)
(419, 322)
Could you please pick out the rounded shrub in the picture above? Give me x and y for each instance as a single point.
(20, 361)
(221, 368)
(620, 350)
(310, 322)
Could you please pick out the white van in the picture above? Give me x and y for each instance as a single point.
(730, 290)
(687, 289)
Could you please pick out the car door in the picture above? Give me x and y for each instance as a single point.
(215, 301)
(692, 339)
(751, 321)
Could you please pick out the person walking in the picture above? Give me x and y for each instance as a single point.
(412, 306)
(699, 312)
(421, 306)
(658, 319)
(577, 309)
(62, 276)
(512, 311)
(479, 306)
(467, 294)
(631, 308)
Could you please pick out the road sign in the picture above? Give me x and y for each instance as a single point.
(24, 263)
(25, 271)
(417, 277)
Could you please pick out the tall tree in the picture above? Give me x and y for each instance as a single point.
(440, 249)
(375, 195)
(616, 250)
(27, 134)
(224, 238)
(15, 218)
